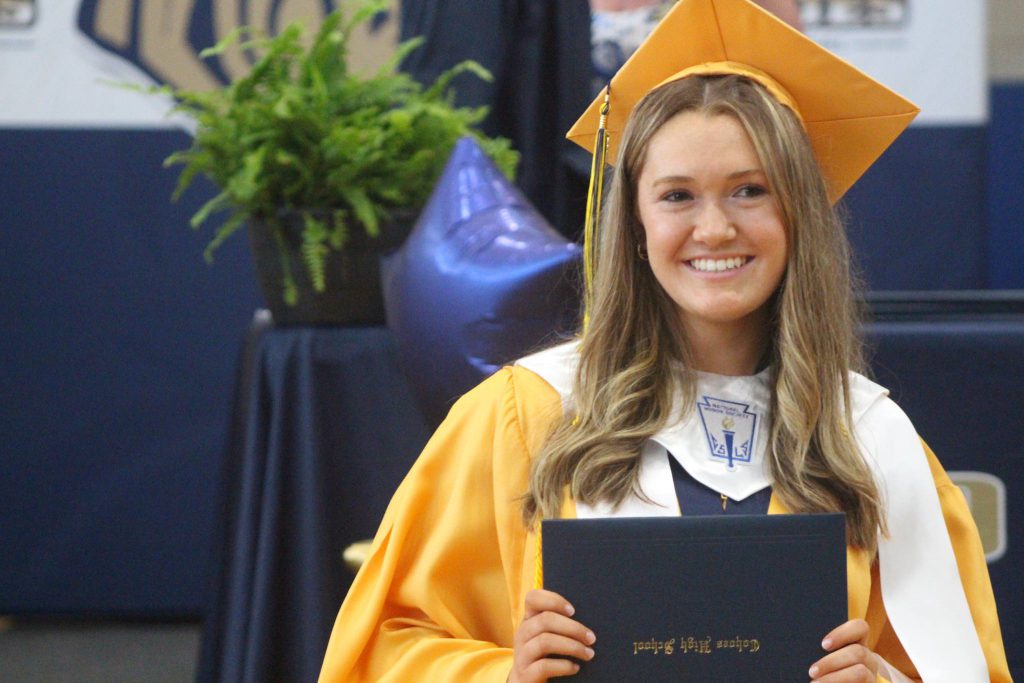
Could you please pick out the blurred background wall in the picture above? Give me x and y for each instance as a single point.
(1005, 147)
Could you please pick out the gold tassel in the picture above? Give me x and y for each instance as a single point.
(595, 192)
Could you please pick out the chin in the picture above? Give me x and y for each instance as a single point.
(722, 315)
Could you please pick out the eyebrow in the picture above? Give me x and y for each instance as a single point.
(687, 179)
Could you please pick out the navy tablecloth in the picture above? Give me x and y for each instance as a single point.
(324, 429)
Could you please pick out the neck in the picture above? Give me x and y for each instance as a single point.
(734, 350)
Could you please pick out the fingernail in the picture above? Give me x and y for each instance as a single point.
(590, 652)
(827, 643)
(813, 671)
(590, 637)
(569, 609)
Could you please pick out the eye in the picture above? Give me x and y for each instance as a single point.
(751, 191)
(676, 196)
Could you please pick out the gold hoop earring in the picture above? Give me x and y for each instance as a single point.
(641, 252)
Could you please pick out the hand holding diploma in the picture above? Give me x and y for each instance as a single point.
(850, 660)
(548, 629)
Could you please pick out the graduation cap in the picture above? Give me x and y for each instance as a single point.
(849, 117)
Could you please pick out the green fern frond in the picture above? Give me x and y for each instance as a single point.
(338, 231)
(289, 290)
(315, 251)
(404, 49)
(221, 201)
(229, 228)
(233, 37)
(363, 209)
(443, 81)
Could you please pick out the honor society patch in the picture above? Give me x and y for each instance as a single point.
(730, 428)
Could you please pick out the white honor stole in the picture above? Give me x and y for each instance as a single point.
(721, 444)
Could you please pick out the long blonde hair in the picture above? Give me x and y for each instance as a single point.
(634, 356)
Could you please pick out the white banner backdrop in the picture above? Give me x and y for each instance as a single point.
(57, 56)
(60, 58)
(932, 51)
(52, 75)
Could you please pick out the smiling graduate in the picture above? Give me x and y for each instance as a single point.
(718, 371)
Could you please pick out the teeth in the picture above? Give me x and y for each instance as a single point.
(718, 265)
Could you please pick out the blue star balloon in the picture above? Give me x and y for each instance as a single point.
(481, 280)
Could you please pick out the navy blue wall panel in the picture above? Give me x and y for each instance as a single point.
(120, 348)
(1005, 179)
(917, 217)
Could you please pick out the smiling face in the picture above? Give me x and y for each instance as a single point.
(713, 230)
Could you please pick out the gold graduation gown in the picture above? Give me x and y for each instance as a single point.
(442, 591)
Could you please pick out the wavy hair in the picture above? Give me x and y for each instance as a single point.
(634, 357)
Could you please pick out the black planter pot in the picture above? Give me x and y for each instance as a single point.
(353, 290)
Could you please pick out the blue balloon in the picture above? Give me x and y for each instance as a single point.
(481, 280)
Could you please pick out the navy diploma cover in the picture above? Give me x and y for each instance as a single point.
(709, 598)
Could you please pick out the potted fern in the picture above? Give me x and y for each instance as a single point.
(324, 166)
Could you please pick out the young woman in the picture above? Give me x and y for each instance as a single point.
(722, 271)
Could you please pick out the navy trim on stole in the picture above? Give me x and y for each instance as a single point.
(697, 499)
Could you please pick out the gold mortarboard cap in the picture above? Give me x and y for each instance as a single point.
(850, 118)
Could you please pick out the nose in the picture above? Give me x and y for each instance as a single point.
(713, 226)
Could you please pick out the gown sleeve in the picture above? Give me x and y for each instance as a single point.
(973, 570)
(438, 597)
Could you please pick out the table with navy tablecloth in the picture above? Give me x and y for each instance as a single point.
(323, 429)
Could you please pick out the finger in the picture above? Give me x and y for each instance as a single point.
(547, 645)
(857, 674)
(548, 655)
(544, 669)
(552, 622)
(850, 658)
(853, 631)
(539, 600)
